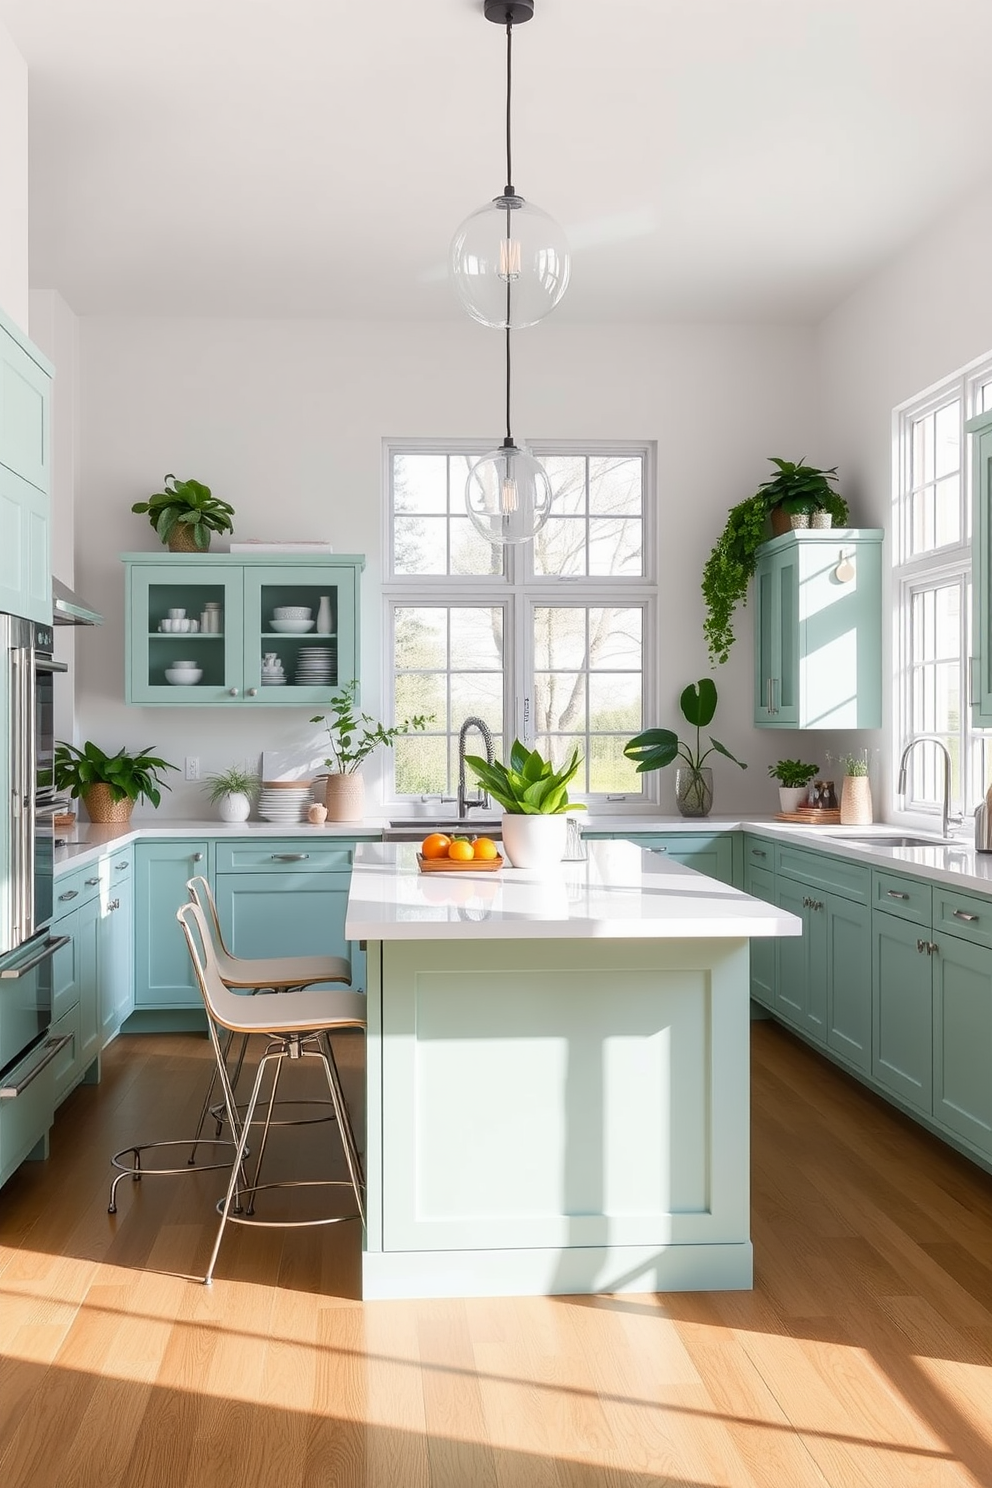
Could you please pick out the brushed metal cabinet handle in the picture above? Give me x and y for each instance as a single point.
(70, 894)
(120, 865)
(959, 914)
(896, 894)
(91, 881)
(289, 857)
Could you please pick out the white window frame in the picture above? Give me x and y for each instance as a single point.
(520, 590)
(912, 574)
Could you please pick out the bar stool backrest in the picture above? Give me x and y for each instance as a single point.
(223, 1006)
(202, 895)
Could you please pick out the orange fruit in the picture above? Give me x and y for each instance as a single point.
(485, 848)
(435, 846)
(461, 850)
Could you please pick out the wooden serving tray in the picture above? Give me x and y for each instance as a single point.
(812, 816)
(455, 865)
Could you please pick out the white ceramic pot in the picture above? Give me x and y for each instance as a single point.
(234, 807)
(534, 841)
(791, 797)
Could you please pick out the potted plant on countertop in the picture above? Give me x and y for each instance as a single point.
(185, 513)
(855, 792)
(109, 784)
(534, 798)
(793, 782)
(797, 490)
(655, 748)
(232, 792)
(353, 736)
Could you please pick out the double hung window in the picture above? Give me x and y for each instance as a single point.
(550, 641)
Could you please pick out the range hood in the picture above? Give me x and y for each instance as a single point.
(69, 609)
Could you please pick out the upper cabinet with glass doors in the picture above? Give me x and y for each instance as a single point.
(232, 629)
(980, 429)
(818, 630)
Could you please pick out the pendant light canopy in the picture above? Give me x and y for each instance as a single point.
(509, 244)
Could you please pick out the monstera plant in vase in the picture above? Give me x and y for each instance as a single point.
(534, 798)
(655, 748)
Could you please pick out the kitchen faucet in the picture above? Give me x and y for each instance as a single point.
(482, 799)
(946, 817)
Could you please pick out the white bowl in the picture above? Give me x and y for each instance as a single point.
(292, 612)
(292, 627)
(181, 664)
(183, 676)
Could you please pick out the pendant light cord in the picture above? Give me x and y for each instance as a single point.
(509, 436)
(509, 192)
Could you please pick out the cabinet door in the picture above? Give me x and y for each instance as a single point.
(790, 989)
(962, 1040)
(75, 989)
(298, 914)
(776, 699)
(981, 680)
(902, 1010)
(25, 552)
(761, 885)
(314, 660)
(115, 960)
(849, 982)
(163, 976)
(155, 589)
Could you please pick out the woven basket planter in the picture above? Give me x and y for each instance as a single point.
(103, 809)
(181, 540)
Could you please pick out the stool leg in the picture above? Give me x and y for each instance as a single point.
(265, 1136)
(344, 1123)
(271, 1053)
(205, 1108)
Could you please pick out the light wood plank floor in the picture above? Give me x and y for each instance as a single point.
(862, 1357)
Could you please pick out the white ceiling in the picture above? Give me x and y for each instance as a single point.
(708, 158)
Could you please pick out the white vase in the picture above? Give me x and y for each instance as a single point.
(344, 797)
(324, 615)
(791, 797)
(534, 841)
(234, 807)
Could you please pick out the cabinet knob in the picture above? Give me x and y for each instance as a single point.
(232, 691)
(923, 945)
(197, 857)
(114, 904)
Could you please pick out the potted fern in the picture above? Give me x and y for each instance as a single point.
(796, 492)
(534, 798)
(185, 513)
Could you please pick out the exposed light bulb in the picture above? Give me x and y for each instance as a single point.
(508, 495)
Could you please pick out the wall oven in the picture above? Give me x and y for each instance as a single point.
(28, 805)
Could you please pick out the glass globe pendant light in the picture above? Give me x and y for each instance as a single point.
(508, 493)
(509, 241)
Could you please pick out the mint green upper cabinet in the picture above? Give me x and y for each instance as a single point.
(818, 631)
(247, 590)
(981, 571)
(25, 478)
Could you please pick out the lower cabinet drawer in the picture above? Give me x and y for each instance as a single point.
(909, 898)
(962, 915)
(26, 1117)
(272, 855)
(65, 1065)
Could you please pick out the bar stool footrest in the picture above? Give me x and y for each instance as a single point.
(135, 1169)
(247, 1216)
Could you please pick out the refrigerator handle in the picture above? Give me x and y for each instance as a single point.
(22, 755)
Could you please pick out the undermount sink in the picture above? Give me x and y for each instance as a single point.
(879, 839)
(414, 829)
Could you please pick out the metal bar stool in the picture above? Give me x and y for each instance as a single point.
(297, 1027)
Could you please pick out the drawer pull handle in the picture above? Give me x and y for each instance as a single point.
(758, 852)
(114, 904)
(51, 1048)
(923, 945)
(289, 857)
(91, 881)
(959, 914)
(70, 894)
(121, 866)
(895, 894)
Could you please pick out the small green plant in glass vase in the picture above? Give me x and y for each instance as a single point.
(534, 797)
(655, 748)
(185, 513)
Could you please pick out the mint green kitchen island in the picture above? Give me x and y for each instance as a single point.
(558, 1075)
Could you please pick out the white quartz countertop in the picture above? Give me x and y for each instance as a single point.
(618, 891)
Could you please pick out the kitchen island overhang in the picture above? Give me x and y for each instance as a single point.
(558, 1076)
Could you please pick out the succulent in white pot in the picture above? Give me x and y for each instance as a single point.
(232, 792)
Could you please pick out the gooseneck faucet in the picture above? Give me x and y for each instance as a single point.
(946, 817)
(482, 799)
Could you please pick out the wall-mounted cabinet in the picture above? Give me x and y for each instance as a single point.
(243, 592)
(25, 478)
(818, 630)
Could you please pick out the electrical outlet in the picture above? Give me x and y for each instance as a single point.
(192, 767)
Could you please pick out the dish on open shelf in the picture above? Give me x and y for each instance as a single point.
(292, 627)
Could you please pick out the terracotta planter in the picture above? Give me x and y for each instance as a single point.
(181, 540)
(103, 809)
(344, 797)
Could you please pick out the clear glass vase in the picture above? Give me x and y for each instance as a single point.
(694, 790)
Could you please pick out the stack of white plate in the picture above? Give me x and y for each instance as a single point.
(284, 801)
(316, 666)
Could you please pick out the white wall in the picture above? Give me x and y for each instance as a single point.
(923, 317)
(13, 182)
(286, 419)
